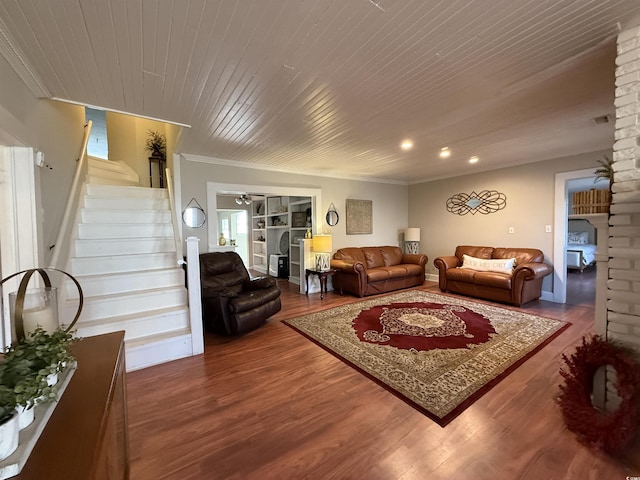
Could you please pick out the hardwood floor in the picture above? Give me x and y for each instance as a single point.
(581, 286)
(273, 405)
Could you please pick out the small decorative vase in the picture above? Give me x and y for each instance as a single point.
(222, 241)
(9, 435)
(25, 416)
(307, 234)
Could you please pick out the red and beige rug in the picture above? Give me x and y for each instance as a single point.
(438, 353)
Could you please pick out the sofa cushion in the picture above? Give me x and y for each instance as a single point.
(478, 252)
(501, 265)
(351, 255)
(382, 256)
(522, 255)
(461, 275)
(395, 271)
(493, 279)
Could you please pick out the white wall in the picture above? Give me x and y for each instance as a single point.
(127, 136)
(389, 200)
(54, 128)
(530, 207)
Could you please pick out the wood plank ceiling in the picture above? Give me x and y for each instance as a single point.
(332, 87)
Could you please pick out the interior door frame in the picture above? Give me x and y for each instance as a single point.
(561, 217)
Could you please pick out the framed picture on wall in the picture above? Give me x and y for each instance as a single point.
(359, 217)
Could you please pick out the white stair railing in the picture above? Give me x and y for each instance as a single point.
(195, 305)
(174, 218)
(73, 200)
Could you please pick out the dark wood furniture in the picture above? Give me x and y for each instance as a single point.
(86, 436)
(162, 163)
(322, 276)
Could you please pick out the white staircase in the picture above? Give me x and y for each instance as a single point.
(123, 255)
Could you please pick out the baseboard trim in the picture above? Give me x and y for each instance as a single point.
(431, 277)
(548, 296)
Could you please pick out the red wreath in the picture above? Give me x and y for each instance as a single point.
(608, 431)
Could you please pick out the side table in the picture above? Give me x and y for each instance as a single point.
(322, 276)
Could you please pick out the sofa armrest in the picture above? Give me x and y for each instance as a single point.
(532, 271)
(417, 258)
(443, 264)
(348, 267)
(260, 283)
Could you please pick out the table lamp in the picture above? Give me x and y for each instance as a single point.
(322, 249)
(411, 240)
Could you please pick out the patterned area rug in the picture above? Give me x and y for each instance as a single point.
(438, 353)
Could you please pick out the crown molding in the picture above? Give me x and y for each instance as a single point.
(14, 56)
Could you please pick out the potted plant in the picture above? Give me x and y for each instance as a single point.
(605, 170)
(9, 431)
(156, 144)
(30, 369)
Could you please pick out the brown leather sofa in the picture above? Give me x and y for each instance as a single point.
(517, 287)
(233, 303)
(371, 270)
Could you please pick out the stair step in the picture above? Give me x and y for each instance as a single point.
(122, 263)
(95, 231)
(126, 191)
(123, 246)
(103, 164)
(115, 203)
(154, 322)
(112, 283)
(111, 169)
(124, 216)
(93, 179)
(154, 349)
(130, 303)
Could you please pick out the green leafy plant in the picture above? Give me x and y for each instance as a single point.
(605, 170)
(28, 365)
(7, 403)
(156, 144)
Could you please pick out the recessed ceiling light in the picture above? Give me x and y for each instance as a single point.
(406, 144)
(473, 159)
(445, 152)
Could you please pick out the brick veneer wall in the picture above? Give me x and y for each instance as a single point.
(623, 287)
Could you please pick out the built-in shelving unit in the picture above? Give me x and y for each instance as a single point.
(301, 215)
(277, 224)
(259, 235)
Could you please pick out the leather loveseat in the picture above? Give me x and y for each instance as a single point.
(508, 275)
(371, 270)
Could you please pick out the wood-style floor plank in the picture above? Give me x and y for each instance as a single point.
(272, 404)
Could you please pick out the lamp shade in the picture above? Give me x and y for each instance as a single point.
(322, 243)
(412, 235)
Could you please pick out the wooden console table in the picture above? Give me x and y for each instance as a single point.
(86, 437)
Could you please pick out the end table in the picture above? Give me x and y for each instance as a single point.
(322, 276)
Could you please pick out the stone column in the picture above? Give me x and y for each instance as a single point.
(623, 286)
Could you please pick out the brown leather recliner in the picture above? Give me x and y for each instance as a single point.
(233, 303)
(371, 270)
(517, 287)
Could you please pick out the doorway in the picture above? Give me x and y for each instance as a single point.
(565, 184)
(234, 225)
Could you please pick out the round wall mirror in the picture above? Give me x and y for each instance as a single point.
(332, 216)
(193, 216)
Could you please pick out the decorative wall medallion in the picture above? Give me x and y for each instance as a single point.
(359, 217)
(485, 202)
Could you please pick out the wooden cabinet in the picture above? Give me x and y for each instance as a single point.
(86, 436)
